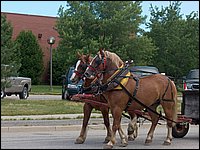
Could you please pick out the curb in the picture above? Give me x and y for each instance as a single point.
(60, 116)
(54, 128)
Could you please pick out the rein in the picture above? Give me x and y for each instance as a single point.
(133, 97)
(138, 101)
(79, 74)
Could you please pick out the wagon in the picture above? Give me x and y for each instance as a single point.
(189, 113)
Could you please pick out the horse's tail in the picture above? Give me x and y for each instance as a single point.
(175, 98)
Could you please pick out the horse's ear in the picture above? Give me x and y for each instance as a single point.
(87, 57)
(101, 52)
(78, 54)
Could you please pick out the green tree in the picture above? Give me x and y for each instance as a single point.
(177, 39)
(10, 55)
(32, 56)
(89, 25)
(141, 50)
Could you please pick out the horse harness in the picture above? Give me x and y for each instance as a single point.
(115, 80)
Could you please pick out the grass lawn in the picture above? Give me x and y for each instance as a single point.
(10, 107)
(45, 89)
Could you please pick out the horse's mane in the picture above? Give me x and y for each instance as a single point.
(114, 58)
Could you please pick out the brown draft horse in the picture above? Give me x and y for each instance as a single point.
(81, 65)
(150, 90)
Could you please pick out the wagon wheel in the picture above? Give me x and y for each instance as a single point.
(180, 129)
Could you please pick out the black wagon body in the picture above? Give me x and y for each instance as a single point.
(189, 113)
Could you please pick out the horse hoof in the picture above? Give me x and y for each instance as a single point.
(126, 138)
(123, 144)
(131, 138)
(107, 139)
(79, 141)
(108, 147)
(148, 142)
(166, 143)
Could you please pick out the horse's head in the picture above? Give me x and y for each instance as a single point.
(104, 62)
(81, 65)
(96, 66)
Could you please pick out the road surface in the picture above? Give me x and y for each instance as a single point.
(64, 138)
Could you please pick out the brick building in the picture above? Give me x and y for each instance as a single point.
(42, 27)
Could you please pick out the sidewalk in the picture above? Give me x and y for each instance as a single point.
(94, 124)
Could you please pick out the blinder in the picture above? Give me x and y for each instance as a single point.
(95, 68)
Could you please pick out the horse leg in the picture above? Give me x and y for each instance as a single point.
(105, 113)
(116, 113)
(124, 140)
(87, 109)
(168, 113)
(132, 129)
(154, 122)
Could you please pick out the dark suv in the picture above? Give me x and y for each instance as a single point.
(191, 81)
(68, 88)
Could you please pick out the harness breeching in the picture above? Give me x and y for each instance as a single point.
(115, 80)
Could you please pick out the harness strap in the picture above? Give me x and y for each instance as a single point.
(169, 100)
(109, 83)
(134, 98)
(78, 73)
(166, 89)
(136, 87)
(92, 68)
(134, 93)
(115, 73)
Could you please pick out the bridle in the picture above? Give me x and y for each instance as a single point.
(100, 68)
(80, 74)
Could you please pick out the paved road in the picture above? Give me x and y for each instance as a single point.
(64, 138)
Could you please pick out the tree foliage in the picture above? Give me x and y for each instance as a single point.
(177, 39)
(32, 56)
(141, 50)
(10, 55)
(89, 25)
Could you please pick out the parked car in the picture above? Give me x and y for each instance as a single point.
(68, 88)
(191, 81)
(19, 86)
(144, 70)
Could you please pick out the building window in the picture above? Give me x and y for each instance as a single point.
(39, 35)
